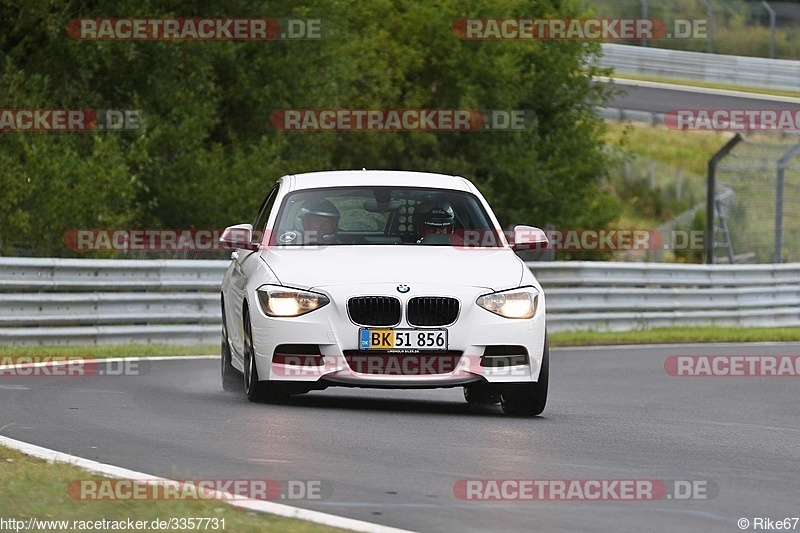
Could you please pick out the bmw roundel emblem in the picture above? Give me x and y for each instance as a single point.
(403, 288)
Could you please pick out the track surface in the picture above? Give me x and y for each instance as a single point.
(661, 100)
(393, 457)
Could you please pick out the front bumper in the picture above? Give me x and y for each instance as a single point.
(337, 338)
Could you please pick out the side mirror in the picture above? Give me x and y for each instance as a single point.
(528, 238)
(238, 237)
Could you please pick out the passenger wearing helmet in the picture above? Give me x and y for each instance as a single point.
(434, 217)
(318, 222)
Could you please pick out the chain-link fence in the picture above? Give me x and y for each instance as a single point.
(754, 28)
(757, 213)
(657, 191)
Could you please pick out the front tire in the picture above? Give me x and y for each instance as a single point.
(529, 399)
(230, 377)
(255, 390)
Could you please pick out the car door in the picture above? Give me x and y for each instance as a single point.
(242, 259)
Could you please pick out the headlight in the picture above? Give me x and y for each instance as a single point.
(286, 302)
(516, 303)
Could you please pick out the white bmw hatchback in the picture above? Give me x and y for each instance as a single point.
(383, 279)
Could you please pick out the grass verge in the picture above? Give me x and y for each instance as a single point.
(111, 350)
(689, 150)
(34, 488)
(709, 334)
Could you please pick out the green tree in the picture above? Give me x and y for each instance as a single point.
(208, 153)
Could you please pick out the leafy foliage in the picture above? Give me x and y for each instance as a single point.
(208, 154)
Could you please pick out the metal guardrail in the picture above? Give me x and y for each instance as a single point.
(627, 296)
(616, 114)
(736, 70)
(51, 275)
(92, 301)
(77, 301)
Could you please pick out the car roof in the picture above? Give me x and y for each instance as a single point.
(397, 178)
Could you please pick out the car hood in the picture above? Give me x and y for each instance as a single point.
(491, 268)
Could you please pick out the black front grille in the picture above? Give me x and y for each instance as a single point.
(374, 310)
(432, 311)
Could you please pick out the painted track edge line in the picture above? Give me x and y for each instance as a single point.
(278, 509)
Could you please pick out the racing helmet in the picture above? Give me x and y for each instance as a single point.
(434, 216)
(324, 209)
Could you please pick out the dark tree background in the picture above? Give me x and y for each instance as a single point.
(208, 153)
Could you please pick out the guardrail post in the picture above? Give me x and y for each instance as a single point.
(711, 194)
(783, 162)
(709, 25)
(771, 29)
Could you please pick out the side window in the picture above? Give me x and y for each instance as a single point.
(263, 215)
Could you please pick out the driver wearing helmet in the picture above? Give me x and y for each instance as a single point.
(318, 222)
(434, 218)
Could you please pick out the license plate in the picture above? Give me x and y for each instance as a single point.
(429, 340)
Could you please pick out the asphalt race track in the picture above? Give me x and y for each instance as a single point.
(393, 457)
(664, 99)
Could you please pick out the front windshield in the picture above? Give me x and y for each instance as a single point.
(383, 216)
